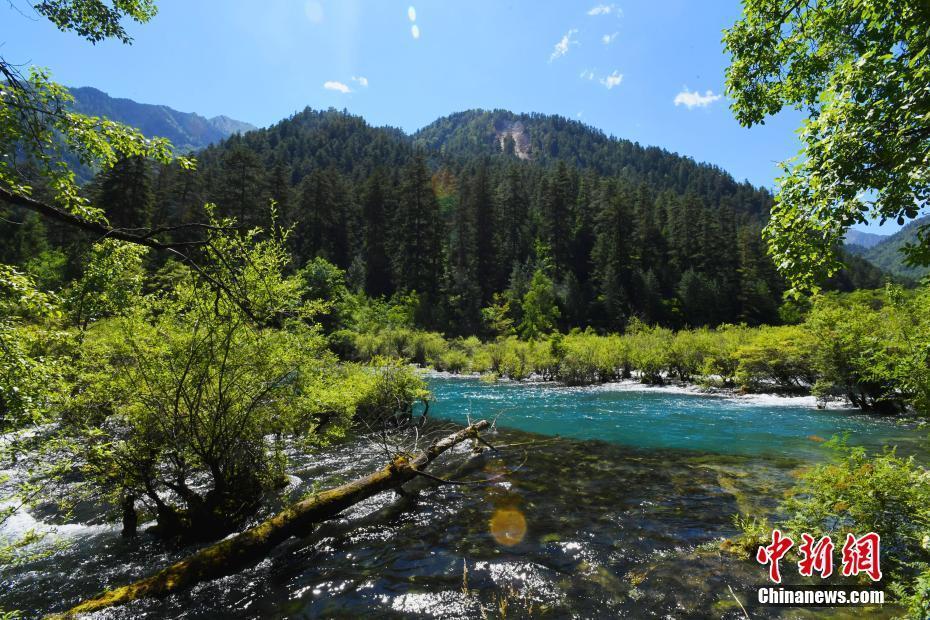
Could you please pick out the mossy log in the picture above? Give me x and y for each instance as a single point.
(250, 546)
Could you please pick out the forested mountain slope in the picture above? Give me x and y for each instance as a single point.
(187, 131)
(492, 219)
(864, 239)
(547, 139)
(887, 254)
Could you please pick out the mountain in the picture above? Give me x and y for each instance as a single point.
(228, 126)
(480, 206)
(314, 139)
(546, 139)
(864, 239)
(886, 254)
(483, 214)
(187, 131)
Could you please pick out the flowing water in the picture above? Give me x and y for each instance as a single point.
(601, 502)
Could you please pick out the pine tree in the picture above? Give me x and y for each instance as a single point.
(583, 234)
(126, 194)
(482, 215)
(698, 296)
(510, 202)
(556, 214)
(462, 289)
(179, 199)
(417, 252)
(756, 298)
(376, 214)
(279, 190)
(324, 218)
(613, 255)
(242, 190)
(540, 311)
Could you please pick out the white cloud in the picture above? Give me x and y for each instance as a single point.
(561, 48)
(314, 11)
(696, 99)
(360, 80)
(337, 86)
(612, 80)
(411, 14)
(604, 9)
(415, 31)
(587, 74)
(607, 39)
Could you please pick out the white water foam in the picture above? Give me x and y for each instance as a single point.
(22, 522)
(632, 385)
(762, 399)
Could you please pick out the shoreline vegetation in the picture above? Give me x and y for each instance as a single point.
(866, 348)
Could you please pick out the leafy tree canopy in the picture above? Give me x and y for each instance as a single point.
(96, 20)
(37, 128)
(861, 72)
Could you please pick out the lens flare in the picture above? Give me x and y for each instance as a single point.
(508, 526)
(412, 14)
(314, 11)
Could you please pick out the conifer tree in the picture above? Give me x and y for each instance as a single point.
(511, 202)
(417, 252)
(126, 194)
(556, 214)
(375, 215)
(242, 190)
(540, 311)
(613, 255)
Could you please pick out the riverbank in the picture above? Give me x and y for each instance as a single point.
(861, 351)
(624, 537)
(671, 386)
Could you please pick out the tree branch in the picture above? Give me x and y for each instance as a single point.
(248, 547)
(60, 215)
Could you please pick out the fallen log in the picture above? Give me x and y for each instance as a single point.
(248, 547)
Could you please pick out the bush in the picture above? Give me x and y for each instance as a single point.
(720, 360)
(858, 493)
(454, 360)
(585, 358)
(184, 402)
(873, 350)
(688, 352)
(777, 357)
(650, 348)
(425, 348)
(384, 393)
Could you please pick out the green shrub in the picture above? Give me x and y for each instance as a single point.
(384, 392)
(650, 347)
(858, 493)
(720, 360)
(688, 352)
(454, 360)
(777, 357)
(425, 348)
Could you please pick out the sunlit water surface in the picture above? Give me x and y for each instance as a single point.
(609, 520)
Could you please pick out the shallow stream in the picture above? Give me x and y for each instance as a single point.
(614, 518)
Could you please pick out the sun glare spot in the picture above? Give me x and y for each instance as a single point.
(314, 11)
(508, 526)
(411, 14)
(415, 31)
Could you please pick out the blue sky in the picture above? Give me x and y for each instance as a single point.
(652, 72)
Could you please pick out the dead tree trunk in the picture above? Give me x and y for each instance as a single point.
(248, 547)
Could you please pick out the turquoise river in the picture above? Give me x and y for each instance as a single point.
(605, 501)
